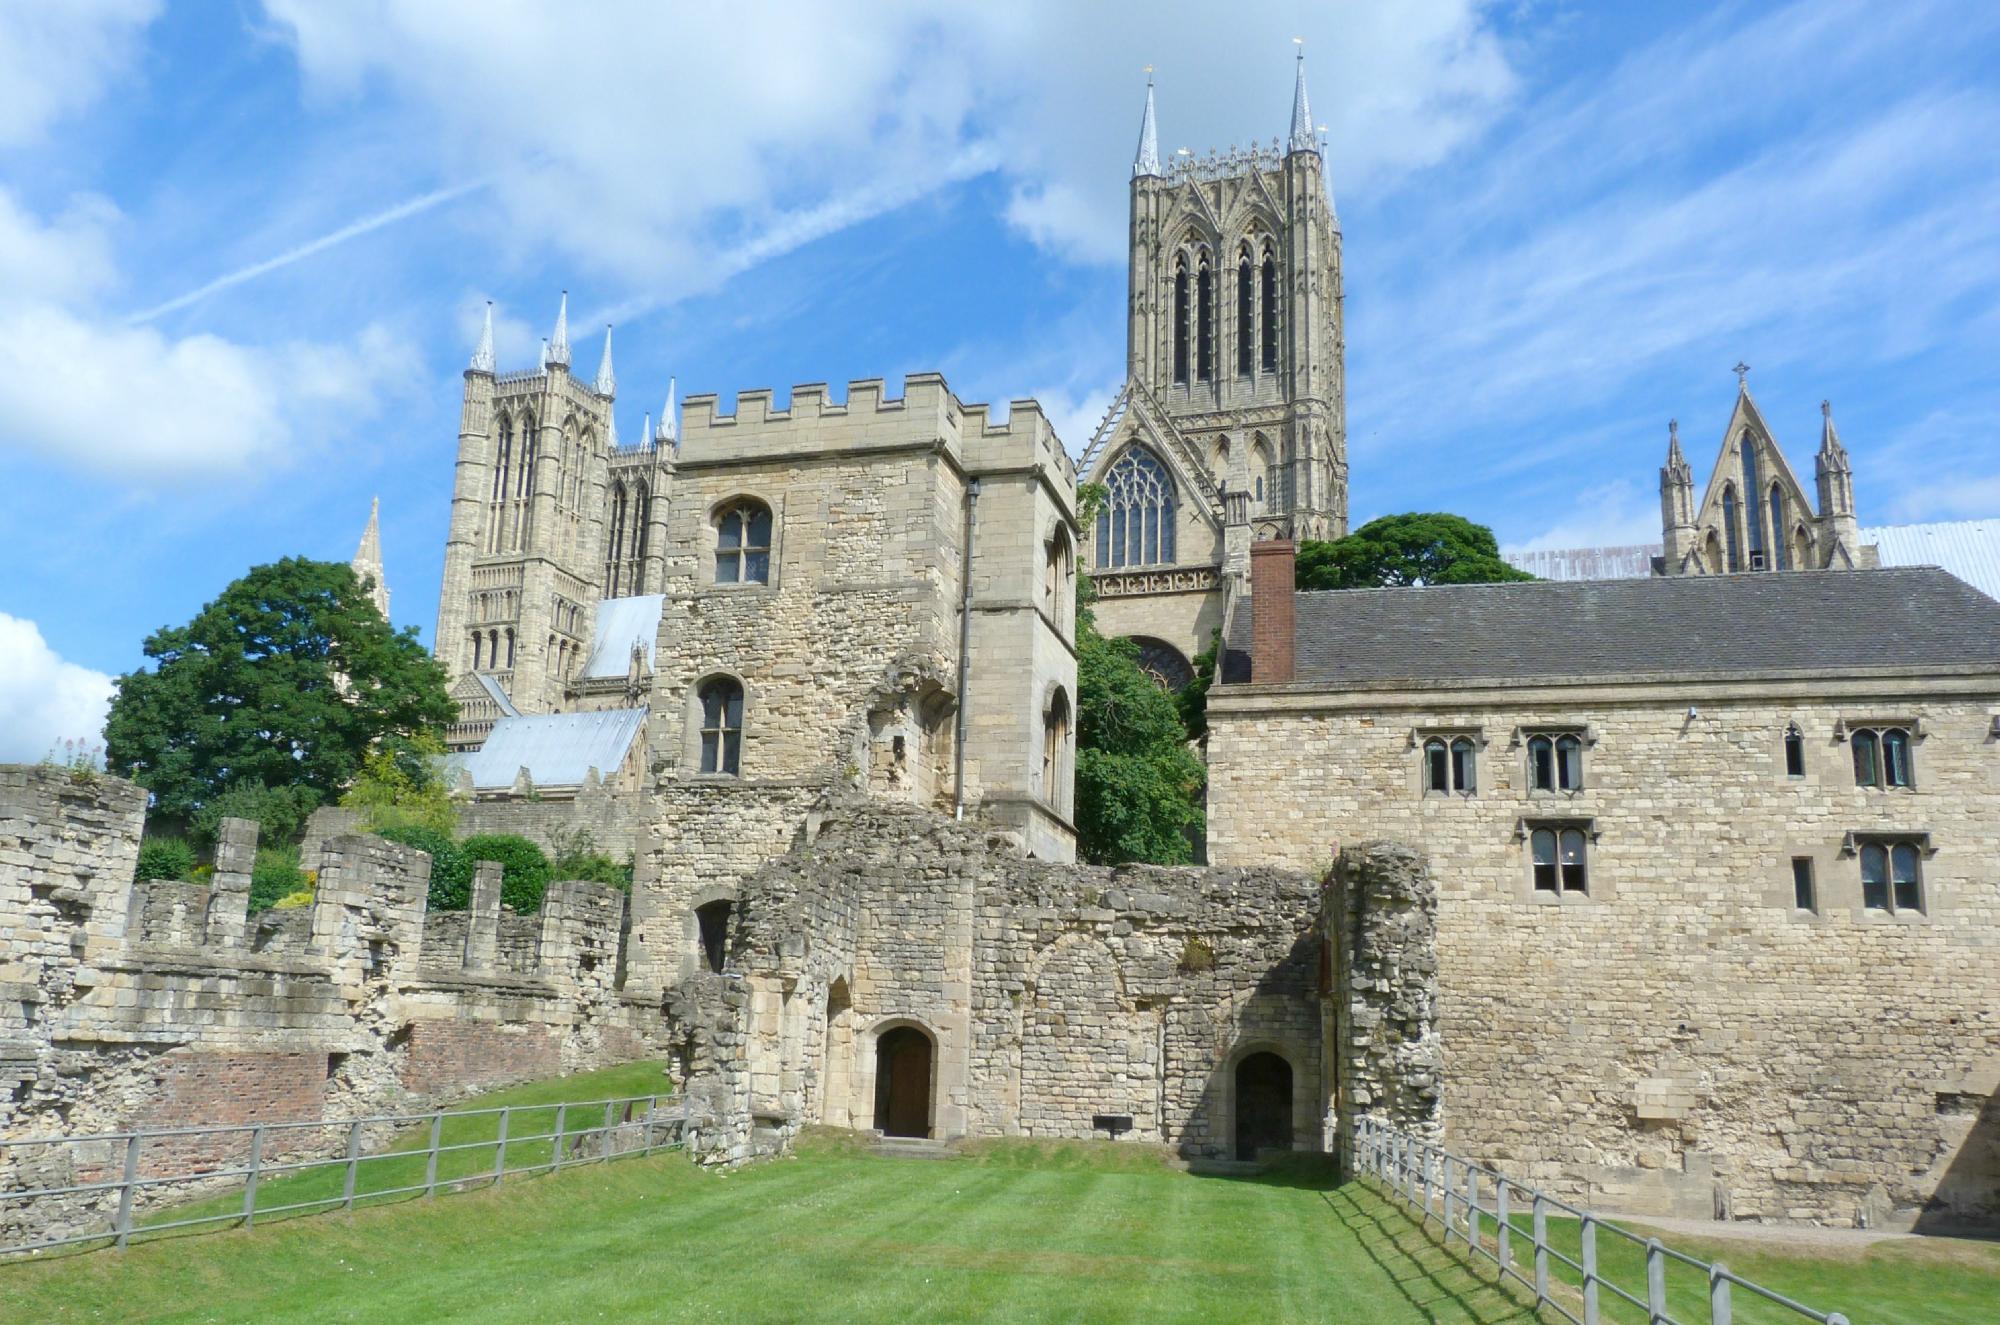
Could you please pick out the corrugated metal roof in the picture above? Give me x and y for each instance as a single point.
(1633, 562)
(1821, 620)
(621, 623)
(557, 749)
(491, 686)
(1969, 549)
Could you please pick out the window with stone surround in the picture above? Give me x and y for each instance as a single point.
(1892, 874)
(1795, 751)
(1136, 525)
(1058, 559)
(1881, 756)
(1559, 858)
(1805, 891)
(1055, 750)
(743, 543)
(1451, 764)
(1555, 760)
(722, 726)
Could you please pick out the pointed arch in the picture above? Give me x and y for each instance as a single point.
(1753, 512)
(642, 517)
(1136, 525)
(1180, 318)
(1204, 300)
(1780, 554)
(1263, 475)
(1268, 302)
(1732, 532)
(615, 544)
(1246, 312)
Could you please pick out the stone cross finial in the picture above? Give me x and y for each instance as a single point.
(1826, 409)
(1742, 371)
(1673, 430)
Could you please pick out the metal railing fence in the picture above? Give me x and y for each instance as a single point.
(1484, 1209)
(111, 1178)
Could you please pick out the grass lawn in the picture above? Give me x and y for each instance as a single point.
(1015, 1231)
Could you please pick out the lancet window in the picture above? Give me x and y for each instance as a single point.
(1246, 316)
(1270, 305)
(1136, 526)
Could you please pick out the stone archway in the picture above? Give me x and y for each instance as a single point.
(1263, 1104)
(903, 1059)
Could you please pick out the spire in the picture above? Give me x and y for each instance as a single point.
(606, 384)
(1302, 120)
(482, 356)
(1829, 436)
(1676, 461)
(646, 430)
(367, 561)
(1147, 162)
(558, 351)
(667, 431)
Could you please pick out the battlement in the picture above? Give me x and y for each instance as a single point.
(926, 413)
(1237, 161)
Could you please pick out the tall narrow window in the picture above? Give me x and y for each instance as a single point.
(1569, 764)
(1905, 886)
(1731, 530)
(1867, 759)
(642, 511)
(477, 642)
(1778, 551)
(1464, 771)
(1892, 876)
(1751, 514)
(1246, 321)
(1270, 307)
(510, 648)
(614, 562)
(1437, 765)
(1542, 843)
(505, 459)
(1542, 765)
(743, 544)
(1180, 320)
(1795, 752)
(1056, 574)
(712, 926)
(1804, 896)
(1895, 757)
(1055, 740)
(1875, 876)
(1136, 525)
(1575, 876)
(1555, 763)
(721, 726)
(1205, 321)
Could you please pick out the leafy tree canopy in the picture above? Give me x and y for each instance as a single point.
(1421, 547)
(288, 679)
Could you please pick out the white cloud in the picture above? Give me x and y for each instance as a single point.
(57, 58)
(676, 144)
(1615, 514)
(84, 388)
(45, 700)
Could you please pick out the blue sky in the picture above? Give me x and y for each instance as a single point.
(243, 250)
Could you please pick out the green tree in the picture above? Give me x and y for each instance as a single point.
(288, 679)
(1138, 785)
(524, 868)
(1415, 548)
(451, 868)
(401, 785)
(280, 812)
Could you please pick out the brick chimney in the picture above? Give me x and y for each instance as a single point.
(1273, 579)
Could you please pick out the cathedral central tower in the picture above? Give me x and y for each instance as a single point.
(1232, 424)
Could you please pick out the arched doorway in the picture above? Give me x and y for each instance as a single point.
(903, 1082)
(1263, 1104)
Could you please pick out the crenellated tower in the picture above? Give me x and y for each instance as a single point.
(1235, 365)
(525, 559)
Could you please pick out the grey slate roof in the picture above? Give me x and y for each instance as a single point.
(557, 749)
(1817, 620)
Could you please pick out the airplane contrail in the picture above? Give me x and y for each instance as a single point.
(388, 216)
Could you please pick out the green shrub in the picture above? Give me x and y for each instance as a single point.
(451, 868)
(276, 877)
(166, 858)
(524, 869)
(279, 812)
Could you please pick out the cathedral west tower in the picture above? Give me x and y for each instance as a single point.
(1231, 426)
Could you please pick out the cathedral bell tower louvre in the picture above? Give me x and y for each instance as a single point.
(1232, 423)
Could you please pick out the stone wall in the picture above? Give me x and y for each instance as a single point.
(1681, 1037)
(156, 1005)
(1057, 1000)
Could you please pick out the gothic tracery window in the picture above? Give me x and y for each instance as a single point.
(1555, 763)
(1136, 526)
(1891, 876)
(722, 726)
(1560, 864)
(1246, 320)
(743, 543)
(1778, 549)
(1753, 517)
(1180, 320)
(1881, 756)
(1731, 532)
(1270, 303)
(1055, 744)
(1205, 320)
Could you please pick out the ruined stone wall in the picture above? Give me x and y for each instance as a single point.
(1053, 995)
(156, 1005)
(1681, 1038)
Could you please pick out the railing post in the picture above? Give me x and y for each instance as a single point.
(1502, 1233)
(1589, 1231)
(431, 1161)
(610, 1117)
(500, 1149)
(1541, 1251)
(250, 1184)
(1656, 1282)
(353, 1163)
(124, 1224)
(562, 1113)
(652, 1103)
(1472, 1207)
(1444, 1195)
(1430, 1170)
(1719, 1311)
